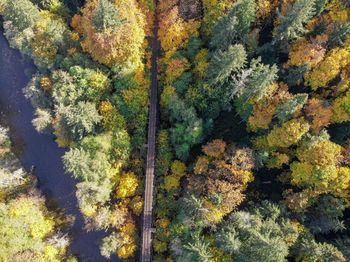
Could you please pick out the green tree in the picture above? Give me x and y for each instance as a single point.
(22, 14)
(109, 245)
(78, 120)
(197, 251)
(42, 121)
(339, 35)
(310, 250)
(188, 128)
(224, 63)
(285, 111)
(291, 25)
(261, 233)
(325, 215)
(256, 82)
(86, 166)
(234, 26)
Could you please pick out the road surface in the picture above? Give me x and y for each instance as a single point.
(146, 248)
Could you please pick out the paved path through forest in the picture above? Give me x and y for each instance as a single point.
(146, 249)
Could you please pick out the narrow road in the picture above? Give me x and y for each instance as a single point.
(146, 249)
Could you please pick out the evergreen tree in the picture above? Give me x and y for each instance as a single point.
(234, 26)
(78, 120)
(291, 25)
(224, 63)
(197, 251)
(339, 35)
(310, 250)
(188, 128)
(261, 233)
(320, 6)
(325, 215)
(285, 111)
(258, 81)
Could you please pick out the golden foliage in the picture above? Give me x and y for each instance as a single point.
(123, 45)
(174, 32)
(128, 185)
(304, 52)
(341, 109)
(329, 68)
(46, 83)
(264, 109)
(288, 134)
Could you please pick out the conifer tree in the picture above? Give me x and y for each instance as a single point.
(224, 63)
(291, 25)
(234, 26)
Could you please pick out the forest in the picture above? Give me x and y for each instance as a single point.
(252, 157)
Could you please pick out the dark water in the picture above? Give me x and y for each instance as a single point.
(41, 151)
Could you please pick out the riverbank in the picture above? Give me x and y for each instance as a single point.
(41, 151)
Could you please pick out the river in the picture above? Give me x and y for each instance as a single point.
(34, 149)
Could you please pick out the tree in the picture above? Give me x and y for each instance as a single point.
(285, 111)
(109, 245)
(197, 251)
(86, 165)
(329, 68)
(224, 63)
(310, 250)
(112, 120)
(263, 110)
(113, 33)
(318, 166)
(79, 84)
(78, 120)
(339, 35)
(325, 215)
(188, 128)
(262, 233)
(42, 121)
(340, 108)
(320, 113)
(22, 14)
(105, 17)
(288, 133)
(291, 25)
(220, 177)
(234, 26)
(164, 155)
(25, 227)
(128, 185)
(215, 148)
(257, 82)
(302, 52)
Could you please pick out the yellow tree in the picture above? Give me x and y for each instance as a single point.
(128, 185)
(336, 60)
(304, 52)
(289, 133)
(341, 108)
(113, 33)
(318, 167)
